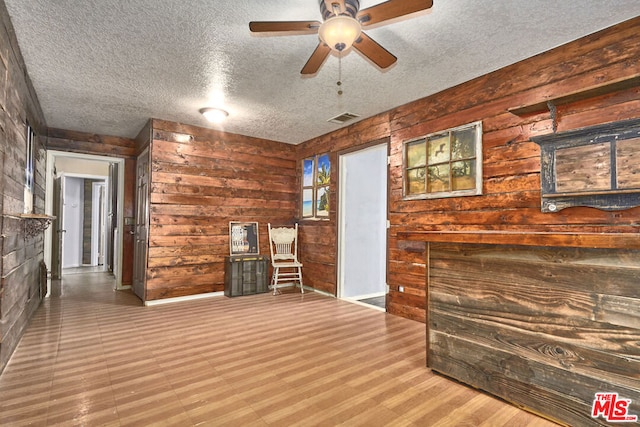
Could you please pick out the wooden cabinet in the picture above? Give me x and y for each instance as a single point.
(596, 166)
(246, 275)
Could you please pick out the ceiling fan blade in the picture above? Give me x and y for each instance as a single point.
(317, 59)
(391, 9)
(372, 50)
(303, 27)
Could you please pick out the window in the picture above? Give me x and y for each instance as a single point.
(444, 164)
(316, 178)
(29, 170)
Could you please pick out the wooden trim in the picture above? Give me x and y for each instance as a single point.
(589, 193)
(579, 240)
(579, 95)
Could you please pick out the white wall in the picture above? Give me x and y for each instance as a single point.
(363, 214)
(72, 221)
(82, 166)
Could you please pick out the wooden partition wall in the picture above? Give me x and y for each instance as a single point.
(543, 327)
(542, 320)
(200, 180)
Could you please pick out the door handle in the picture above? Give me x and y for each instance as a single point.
(61, 231)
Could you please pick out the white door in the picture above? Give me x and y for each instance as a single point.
(141, 236)
(363, 224)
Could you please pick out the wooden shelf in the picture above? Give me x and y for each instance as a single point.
(32, 216)
(578, 240)
(34, 224)
(585, 93)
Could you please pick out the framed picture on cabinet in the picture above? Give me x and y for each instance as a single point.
(243, 238)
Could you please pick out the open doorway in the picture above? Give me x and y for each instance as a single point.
(85, 194)
(83, 211)
(362, 226)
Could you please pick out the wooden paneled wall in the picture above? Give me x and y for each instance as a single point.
(20, 285)
(111, 146)
(511, 190)
(543, 327)
(90, 143)
(200, 180)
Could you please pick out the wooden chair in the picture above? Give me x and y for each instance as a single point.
(283, 244)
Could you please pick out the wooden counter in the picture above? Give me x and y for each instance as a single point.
(543, 320)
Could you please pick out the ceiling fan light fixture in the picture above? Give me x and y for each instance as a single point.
(340, 32)
(214, 115)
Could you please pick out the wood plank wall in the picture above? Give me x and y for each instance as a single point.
(110, 146)
(543, 327)
(90, 143)
(200, 180)
(511, 199)
(20, 287)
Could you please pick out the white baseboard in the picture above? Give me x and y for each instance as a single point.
(181, 299)
(320, 292)
(353, 301)
(306, 288)
(367, 296)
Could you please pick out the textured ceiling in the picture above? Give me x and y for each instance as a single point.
(106, 66)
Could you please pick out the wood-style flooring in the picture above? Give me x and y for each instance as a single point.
(93, 356)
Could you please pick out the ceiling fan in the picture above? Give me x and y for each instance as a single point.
(342, 26)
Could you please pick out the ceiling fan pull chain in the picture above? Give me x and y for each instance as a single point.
(339, 73)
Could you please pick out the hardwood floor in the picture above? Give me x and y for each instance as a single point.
(95, 356)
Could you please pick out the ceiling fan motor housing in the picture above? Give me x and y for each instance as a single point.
(351, 8)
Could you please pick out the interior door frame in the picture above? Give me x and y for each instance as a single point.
(48, 206)
(340, 215)
(98, 221)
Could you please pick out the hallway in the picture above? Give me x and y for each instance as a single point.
(94, 356)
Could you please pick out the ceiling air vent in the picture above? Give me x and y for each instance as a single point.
(343, 118)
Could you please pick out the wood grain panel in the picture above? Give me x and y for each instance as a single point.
(21, 254)
(128, 211)
(543, 327)
(87, 143)
(628, 163)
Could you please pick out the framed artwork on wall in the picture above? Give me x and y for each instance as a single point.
(444, 164)
(243, 238)
(316, 183)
